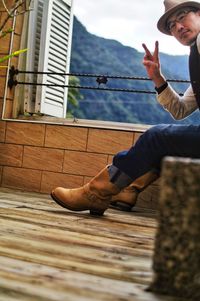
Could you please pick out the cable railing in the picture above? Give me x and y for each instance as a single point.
(100, 79)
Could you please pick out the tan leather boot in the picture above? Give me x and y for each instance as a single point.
(94, 196)
(126, 199)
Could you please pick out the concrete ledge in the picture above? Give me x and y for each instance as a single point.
(176, 261)
(99, 124)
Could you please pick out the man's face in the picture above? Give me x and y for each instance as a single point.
(184, 25)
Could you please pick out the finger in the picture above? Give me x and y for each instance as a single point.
(156, 51)
(146, 57)
(147, 63)
(148, 53)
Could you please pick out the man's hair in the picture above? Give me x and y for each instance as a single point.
(192, 8)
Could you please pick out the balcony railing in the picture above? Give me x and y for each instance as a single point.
(100, 79)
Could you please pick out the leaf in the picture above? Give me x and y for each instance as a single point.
(4, 33)
(16, 53)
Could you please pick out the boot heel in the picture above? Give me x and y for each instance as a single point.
(97, 212)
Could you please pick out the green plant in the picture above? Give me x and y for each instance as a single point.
(74, 95)
(19, 7)
(16, 53)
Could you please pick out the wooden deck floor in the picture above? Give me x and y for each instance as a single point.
(48, 253)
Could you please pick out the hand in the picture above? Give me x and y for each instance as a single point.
(152, 65)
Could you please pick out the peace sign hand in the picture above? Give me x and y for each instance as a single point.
(152, 65)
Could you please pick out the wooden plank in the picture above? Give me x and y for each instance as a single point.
(74, 251)
(49, 253)
(50, 279)
(75, 231)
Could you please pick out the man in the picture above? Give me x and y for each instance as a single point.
(136, 166)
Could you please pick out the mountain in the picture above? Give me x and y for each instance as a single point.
(96, 55)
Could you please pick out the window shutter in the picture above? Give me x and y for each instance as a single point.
(33, 44)
(53, 32)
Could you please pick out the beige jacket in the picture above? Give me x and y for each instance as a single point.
(179, 106)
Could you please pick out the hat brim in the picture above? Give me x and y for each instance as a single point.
(161, 25)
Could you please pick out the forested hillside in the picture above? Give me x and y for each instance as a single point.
(95, 55)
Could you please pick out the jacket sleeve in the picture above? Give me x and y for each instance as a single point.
(178, 106)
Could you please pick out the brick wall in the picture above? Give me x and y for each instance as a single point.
(39, 157)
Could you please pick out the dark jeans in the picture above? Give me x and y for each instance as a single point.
(156, 143)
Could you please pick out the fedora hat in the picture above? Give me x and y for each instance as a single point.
(171, 6)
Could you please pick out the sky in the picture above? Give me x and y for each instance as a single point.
(131, 22)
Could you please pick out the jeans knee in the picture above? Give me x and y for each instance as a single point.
(156, 131)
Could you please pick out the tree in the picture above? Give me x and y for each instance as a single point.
(74, 95)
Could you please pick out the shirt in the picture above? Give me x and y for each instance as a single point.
(179, 106)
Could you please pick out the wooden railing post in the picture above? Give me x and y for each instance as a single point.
(176, 261)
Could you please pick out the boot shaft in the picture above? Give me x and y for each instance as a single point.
(101, 184)
(127, 198)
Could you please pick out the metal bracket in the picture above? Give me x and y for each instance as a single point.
(12, 80)
(102, 80)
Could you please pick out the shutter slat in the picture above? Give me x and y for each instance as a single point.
(59, 68)
(62, 21)
(59, 80)
(56, 59)
(62, 56)
(56, 26)
(56, 94)
(55, 45)
(56, 36)
(54, 98)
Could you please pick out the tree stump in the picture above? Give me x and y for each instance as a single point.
(176, 261)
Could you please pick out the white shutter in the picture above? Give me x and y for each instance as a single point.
(33, 44)
(53, 55)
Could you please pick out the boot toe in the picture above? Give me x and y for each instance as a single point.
(57, 196)
(71, 199)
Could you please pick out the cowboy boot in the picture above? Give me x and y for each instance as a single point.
(126, 199)
(94, 196)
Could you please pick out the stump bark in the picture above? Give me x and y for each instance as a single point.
(176, 261)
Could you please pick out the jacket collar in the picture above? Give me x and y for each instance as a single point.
(198, 43)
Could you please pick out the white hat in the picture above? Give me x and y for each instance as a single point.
(171, 6)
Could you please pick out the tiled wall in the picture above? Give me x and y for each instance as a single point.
(39, 157)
